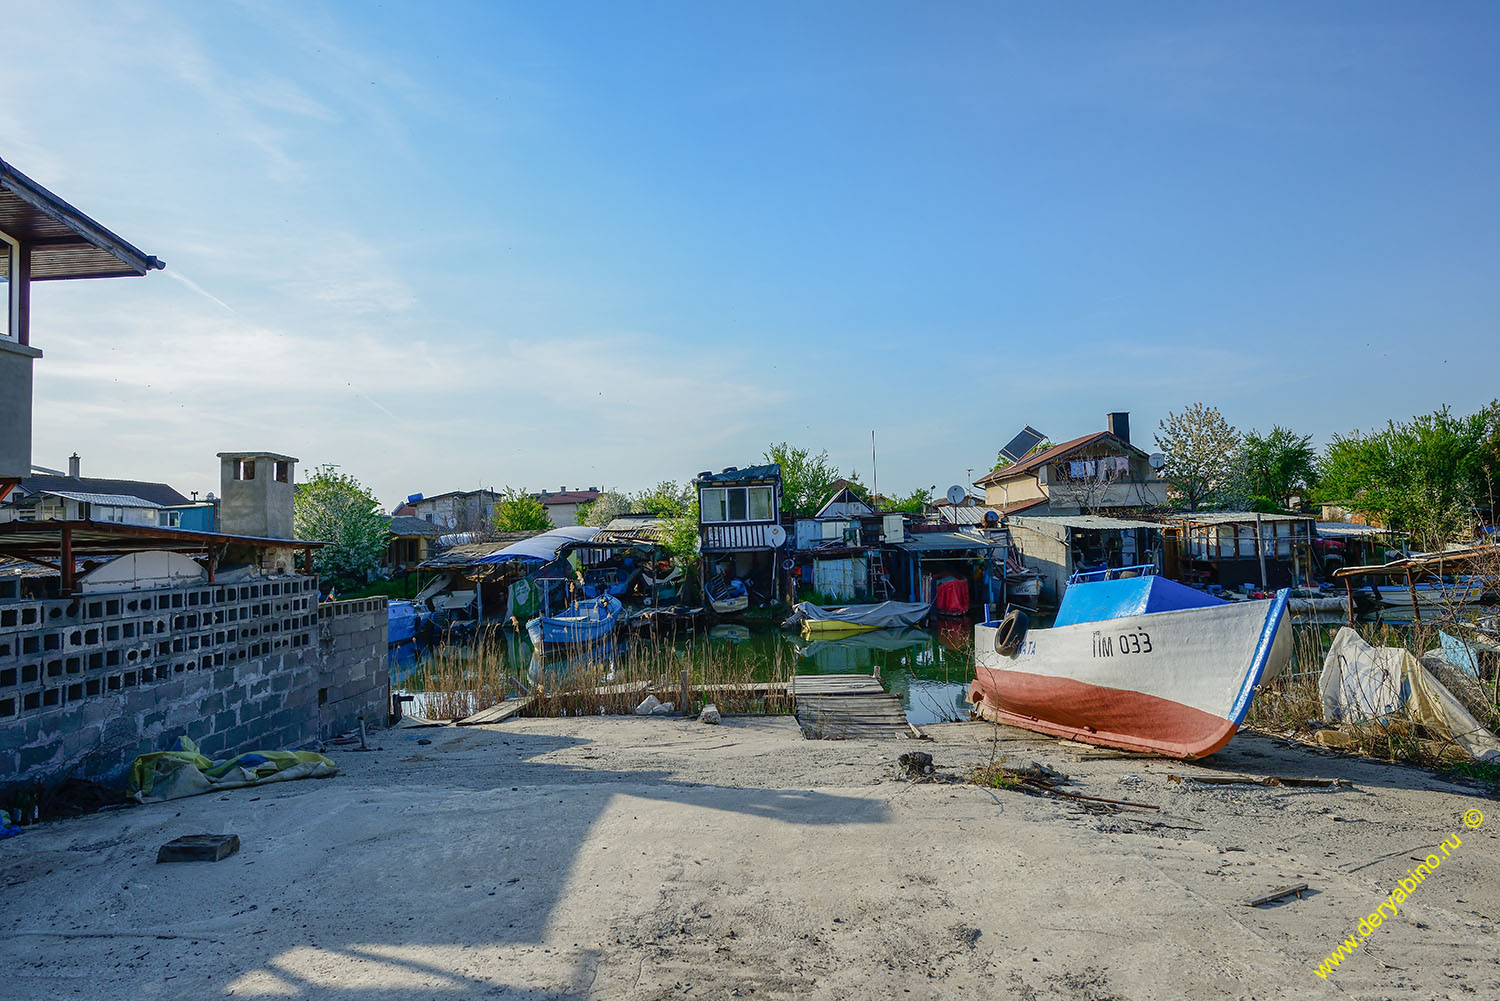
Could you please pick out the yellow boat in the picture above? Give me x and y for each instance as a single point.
(847, 620)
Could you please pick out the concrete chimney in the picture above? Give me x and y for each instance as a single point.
(73, 465)
(1119, 425)
(255, 494)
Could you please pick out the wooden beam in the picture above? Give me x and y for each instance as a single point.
(67, 566)
(22, 277)
(33, 559)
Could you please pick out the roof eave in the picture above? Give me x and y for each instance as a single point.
(50, 205)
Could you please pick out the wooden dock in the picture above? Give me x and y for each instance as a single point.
(847, 706)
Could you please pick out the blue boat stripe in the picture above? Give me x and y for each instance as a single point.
(1262, 655)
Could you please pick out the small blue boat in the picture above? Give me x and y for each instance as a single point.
(585, 621)
(402, 621)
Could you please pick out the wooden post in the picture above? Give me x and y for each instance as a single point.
(1411, 590)
(22, 278)
(65, 562)
(876, 671)
(307, 561)
(685, 693)
(1259, 551)
(1349, 590)
(213, 563)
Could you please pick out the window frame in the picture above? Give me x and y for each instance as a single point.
(10, 248)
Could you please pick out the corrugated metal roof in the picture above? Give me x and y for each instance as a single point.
(112, 500)
(1335, 529)
(1232, 517)
(970, 515)
(159, 494)
(920, 542)
(1089, 522)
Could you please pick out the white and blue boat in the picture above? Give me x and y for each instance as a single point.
(1136, 662)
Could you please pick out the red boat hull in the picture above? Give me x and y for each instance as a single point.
(1111, 717)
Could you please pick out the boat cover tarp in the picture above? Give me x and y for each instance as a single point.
(164, 775)
(1094, 601)
(886, 615)
(1363, 683)
(541, 548)
(401, 621)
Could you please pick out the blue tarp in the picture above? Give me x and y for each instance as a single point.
(541, 548)
(1094, 601)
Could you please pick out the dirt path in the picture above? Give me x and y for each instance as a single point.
(646, 858)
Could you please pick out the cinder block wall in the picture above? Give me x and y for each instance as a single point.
(89, 683)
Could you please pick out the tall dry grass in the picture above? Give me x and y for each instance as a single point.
(607, 678)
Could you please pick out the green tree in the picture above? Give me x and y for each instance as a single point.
(336, 508)
(665, 500)
(1424, 476)
(519, 511)
(806, 479)
(913, 503)
(1201, 449)
(1276, 465)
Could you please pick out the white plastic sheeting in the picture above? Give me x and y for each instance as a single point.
(1363, 683)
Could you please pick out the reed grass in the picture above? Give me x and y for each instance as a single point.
(608, 678)
(1292, 705)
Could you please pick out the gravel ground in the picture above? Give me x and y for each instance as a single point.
(631, 858)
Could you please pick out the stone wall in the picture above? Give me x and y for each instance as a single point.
(87, 683)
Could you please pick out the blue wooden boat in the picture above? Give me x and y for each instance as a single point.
(584, 621)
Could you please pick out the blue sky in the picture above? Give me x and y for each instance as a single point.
(453, 245)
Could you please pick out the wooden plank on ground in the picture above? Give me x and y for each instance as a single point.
(498, 713)
(199, 848)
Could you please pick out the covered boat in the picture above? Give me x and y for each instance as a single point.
(584, 621)
(1140, 663)
(402, 621)
(841, 620)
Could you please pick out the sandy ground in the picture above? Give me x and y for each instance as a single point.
(654, 858)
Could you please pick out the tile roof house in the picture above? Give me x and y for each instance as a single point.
(562, 505)
(1093, 473)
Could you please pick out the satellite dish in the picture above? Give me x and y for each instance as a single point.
(776, 536)
(452, 521)
(956, 495)
(1157, 460)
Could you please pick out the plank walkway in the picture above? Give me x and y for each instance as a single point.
(846, 706)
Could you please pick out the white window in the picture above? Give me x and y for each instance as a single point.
(713, 505)
(761, 499)
(1247, 542)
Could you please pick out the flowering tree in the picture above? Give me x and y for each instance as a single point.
(336, 508)
(1202, 450)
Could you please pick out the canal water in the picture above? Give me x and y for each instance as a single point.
(929, 669)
